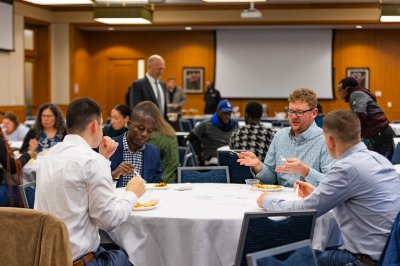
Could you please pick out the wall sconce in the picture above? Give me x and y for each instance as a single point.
(123, 15)
(390, 13)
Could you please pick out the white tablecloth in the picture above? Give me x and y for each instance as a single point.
(197, 227)
(396, 128)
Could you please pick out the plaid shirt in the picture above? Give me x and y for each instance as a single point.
(132, 157)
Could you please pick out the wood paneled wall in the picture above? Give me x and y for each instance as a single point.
(377, 49)
(19, 110)
(93, 50)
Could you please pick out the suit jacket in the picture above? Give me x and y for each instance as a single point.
(179, 98)
(151, 161)
(141, 90)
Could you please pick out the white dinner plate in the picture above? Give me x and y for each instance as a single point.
(267, 189)
(144, 208)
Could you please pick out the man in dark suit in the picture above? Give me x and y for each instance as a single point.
(150, 88)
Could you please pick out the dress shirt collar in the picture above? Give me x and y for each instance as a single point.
(151, 80)
(76, 139)
(311, 131)
(353, 149)
(126, 146)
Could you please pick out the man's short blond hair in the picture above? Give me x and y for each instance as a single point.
(305, 95)
(343, 125)
(153, 58)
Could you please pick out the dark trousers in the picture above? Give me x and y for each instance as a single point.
(383, 142)
(104, 257)
(5, 195)
(343, 257)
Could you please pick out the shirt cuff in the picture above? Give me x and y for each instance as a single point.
(129, 195)
(313, 177)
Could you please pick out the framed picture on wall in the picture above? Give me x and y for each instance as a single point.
(361, 74)
(193, 79)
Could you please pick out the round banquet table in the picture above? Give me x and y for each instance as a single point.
(199, 226)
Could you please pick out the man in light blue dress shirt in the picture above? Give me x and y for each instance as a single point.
(362, 187)
(296, 152)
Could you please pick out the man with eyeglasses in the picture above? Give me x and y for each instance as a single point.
(297, 152)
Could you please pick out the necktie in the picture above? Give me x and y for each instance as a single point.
(159, 96)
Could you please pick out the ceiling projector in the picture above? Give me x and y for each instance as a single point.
(251, 13)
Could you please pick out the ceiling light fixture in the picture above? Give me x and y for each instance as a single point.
(359, 27)
(60, 2)
(390, 13)
(123, 15)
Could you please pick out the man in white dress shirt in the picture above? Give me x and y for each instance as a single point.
(74, 183)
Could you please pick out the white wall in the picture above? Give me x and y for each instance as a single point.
(12, 63)
(12, 68)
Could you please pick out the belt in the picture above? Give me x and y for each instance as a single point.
(366, 259)
(82, 261)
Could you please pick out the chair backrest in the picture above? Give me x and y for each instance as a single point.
(193, 161)
(396, 155)
(299, 253)
(31, 237)
(28, 194)
(319, 120)
(237, 173)
(260, 232)
(391, 253)
(182, 155)
(204, 174)
(186, 125)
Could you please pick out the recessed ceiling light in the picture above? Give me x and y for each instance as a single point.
(359, 27)
(390, 18)
(110, 28)
(188, 28)
(390, 13)
(123, 15)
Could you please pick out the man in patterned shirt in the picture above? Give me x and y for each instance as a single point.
(296, 152)
(254, 136)
(133, 155)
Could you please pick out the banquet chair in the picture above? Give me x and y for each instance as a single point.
(396, 155)
(31, 237)
(193, 161)
(260, 232)
(237, 173)
(204, 174)
(183, 151)
(391, 253)
(300, 254)
(186, 125)
(28, 194)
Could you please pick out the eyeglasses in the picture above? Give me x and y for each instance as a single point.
(47, 116)
(299, 113)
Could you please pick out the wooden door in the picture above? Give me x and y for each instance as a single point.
(121, 74)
